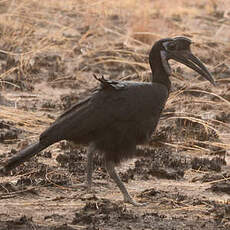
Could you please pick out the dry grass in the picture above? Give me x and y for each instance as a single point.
(114, 33)
(78, 38)
(34, 122)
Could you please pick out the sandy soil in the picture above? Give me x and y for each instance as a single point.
(49, 51)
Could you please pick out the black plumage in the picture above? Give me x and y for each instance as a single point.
(115, 120)
(119, 115)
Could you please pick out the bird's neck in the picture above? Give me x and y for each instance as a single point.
(160, 76)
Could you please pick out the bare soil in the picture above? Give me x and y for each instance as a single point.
(49, 51)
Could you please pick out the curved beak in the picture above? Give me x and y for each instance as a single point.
(187, 58)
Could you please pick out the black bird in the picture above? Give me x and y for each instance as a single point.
(119, 115)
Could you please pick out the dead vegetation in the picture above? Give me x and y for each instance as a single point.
(49, 51)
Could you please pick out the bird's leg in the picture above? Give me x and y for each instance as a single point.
(113, 174)
(89, 167)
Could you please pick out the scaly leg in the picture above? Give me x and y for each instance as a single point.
(112, 172)
(90, 151)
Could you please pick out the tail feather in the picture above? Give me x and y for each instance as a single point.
(23, 155)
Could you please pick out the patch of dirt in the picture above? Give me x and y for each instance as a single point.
(8, 133)
(26, 223)
(222, 186)
(206, 164)
(102, 212)
(47, 64)
(160, 163)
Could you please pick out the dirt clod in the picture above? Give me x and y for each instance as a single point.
(206, 164)
(104, 212)
(222, 186)
(8, 132)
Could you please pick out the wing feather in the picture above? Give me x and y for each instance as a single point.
(106, 107)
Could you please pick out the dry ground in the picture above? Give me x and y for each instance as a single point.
(49, 51)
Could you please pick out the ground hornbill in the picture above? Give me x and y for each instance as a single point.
(119, 115)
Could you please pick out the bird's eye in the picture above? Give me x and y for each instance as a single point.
(171, 46)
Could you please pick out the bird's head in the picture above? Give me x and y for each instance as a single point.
(178, 48)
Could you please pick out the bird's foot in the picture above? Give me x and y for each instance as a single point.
(129, 200)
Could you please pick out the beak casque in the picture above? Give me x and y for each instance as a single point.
(183, 54)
